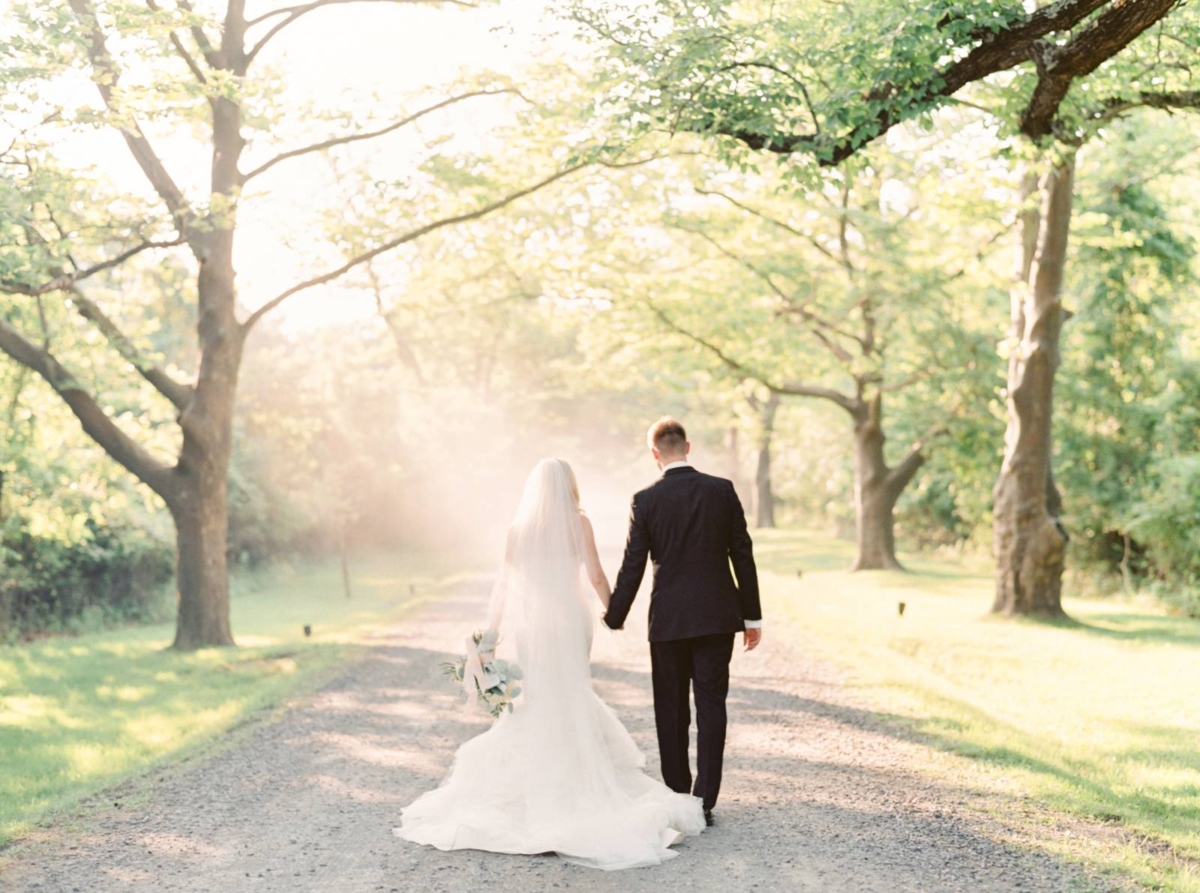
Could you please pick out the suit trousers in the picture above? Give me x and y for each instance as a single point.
(679, 667)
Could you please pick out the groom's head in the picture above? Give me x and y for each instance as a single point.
(668, 441)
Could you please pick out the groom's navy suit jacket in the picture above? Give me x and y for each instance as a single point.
(692, 526)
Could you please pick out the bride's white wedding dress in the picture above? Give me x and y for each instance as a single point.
(560, 773)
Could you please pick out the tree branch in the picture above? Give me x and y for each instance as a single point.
(403, 347)
(795, 389)
(816, 323)
(994, 53)
(371, 134)
(808, 237)
(177, 392)
(980, 253)
(291, 13)
(1099, 40)
(906, 469)
(1115, 106)
(106, 76)
(206, 47)
(843, 230)
(792, 388)
(787, 74)
(187, 58)
(907, 382)
(66, 280)
(308, 7)
(410, 236)
(180, 49)
(119, 445)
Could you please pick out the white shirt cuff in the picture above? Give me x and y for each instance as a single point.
(753, 624)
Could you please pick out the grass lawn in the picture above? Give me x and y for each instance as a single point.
(80, 713)
(1097, 717)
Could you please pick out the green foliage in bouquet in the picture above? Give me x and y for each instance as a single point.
(497, 698)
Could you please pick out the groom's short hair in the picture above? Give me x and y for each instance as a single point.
(667, 436)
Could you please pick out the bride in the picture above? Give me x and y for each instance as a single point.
(559, 773)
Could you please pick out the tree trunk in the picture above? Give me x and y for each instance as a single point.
(732, 466)
(199, 501)
(1030, 542)
(877, 487)
(344, 555)
(874, 529)
(874, 493)
(4, 593)
(764, 504)
(202, 574)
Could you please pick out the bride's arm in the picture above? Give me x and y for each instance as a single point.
(591, 560)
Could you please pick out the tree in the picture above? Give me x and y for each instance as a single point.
(175, 68)
(832, 304)
(1126, 405)
(820, 82)
(764, 494)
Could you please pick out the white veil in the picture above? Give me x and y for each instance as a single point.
(537, 602)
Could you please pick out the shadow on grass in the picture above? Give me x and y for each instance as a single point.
(1148, 628)
(962, 728)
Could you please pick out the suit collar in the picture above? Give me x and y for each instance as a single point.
(679, 469)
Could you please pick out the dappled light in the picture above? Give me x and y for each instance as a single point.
(177, 843)
(356, 794)
(378, 753)
(122, 692)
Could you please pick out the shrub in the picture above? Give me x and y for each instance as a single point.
(112, 575)
(1167, 523)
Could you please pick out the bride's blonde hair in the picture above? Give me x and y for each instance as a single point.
(571, 480)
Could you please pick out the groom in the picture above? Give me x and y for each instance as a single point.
(693, 527)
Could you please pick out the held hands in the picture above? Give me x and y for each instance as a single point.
(751, 638)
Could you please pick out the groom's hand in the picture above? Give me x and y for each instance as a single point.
(604, 617)
(751, 638)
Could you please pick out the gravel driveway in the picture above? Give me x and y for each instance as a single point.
(818, 795)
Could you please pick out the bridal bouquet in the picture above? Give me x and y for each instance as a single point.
(492, 682)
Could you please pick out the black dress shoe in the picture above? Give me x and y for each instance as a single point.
(708, 818)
